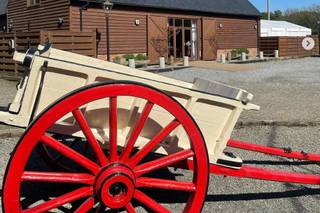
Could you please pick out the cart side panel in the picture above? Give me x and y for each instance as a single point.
(216, 121)
(57, 83)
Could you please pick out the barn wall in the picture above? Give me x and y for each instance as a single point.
(93, 19)
(42, 17)
(125, 36)
(236, 33)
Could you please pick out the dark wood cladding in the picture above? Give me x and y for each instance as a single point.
(93, 19)
(42, 17)
(236, 33)
(119, 33)
(125, 35)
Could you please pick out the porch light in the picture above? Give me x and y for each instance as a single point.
(60, 21)
(137, 22)
(220, 25)
(107, 5)
(10, 25)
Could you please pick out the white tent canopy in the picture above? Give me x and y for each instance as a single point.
(283, 28)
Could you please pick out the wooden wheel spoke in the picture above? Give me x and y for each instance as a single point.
(163, 162)
(90, 137)
(61, 200)
(58, 177)
(130, 209)
(149, 202)
(137, 130)
(153, 143)
(85, 206)
(113, 129)
(145, 182)
(70, 153)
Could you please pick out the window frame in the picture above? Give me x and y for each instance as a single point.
(32, 3)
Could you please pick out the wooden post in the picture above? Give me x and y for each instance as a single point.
(16, 67)
(94, 43)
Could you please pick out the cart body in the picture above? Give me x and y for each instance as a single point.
(54, 73)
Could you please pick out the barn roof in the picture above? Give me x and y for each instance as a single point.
(3, 7)
(231, 7)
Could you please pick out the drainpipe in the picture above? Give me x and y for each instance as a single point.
(81, 15)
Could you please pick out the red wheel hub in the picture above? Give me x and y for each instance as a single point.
(115, 185)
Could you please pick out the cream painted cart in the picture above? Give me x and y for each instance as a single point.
(107, 130)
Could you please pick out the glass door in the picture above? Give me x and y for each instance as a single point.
(182, 38)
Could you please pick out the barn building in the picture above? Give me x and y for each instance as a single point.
(200, 29)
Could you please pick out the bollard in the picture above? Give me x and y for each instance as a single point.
(162, 63)
(171, 60)
(132, 63)
(276, 53)
(261, 56)
(243, 56)
(229, 56)
(223, 58)
(186, 61)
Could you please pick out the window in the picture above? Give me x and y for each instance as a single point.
(187, 23)
(31, 3)
(178, 22)
(171, 22)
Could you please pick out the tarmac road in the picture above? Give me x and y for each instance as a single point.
(289, 95)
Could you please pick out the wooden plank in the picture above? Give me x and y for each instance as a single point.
(44, 17)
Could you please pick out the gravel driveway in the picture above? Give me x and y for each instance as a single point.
(286, 90)
(289, 94)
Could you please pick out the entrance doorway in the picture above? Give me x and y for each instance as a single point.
(182, 38)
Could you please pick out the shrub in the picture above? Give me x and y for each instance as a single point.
(128, 56)
(238, 51)
(117, 60)
(141, 57)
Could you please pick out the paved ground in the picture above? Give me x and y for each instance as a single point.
(289, 94)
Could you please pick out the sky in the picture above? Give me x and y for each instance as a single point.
(284, 4)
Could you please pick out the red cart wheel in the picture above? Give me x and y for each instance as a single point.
(115, 180)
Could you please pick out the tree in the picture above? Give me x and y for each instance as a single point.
(276, 15)
(307, 17)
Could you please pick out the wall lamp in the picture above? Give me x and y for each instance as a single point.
(137, 22)
(10, 25)
(60, 22)
(220, 25)
(107, 5)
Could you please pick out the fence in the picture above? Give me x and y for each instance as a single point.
(287, 46)
(83, 43)
(78, 42)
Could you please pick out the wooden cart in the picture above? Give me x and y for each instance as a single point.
(106, 131)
